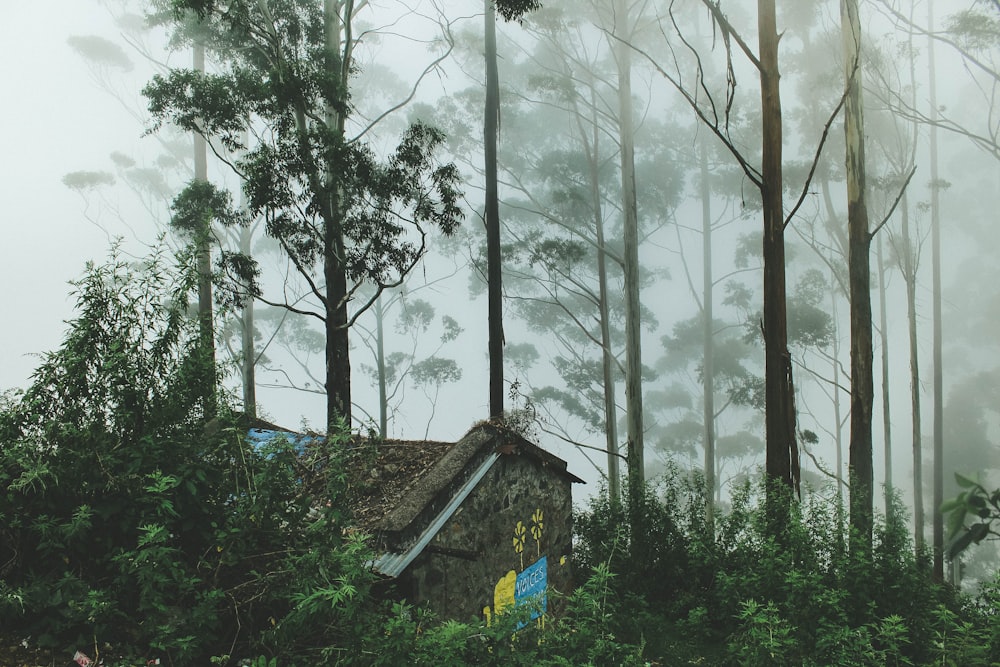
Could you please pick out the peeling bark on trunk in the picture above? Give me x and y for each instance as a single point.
(859, 272)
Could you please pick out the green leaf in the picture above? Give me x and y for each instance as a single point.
(975, 534)
(956, 520)
(964, 481)
(950, 505)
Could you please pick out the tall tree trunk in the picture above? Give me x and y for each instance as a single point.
(837, 416)
(338, 363)
(203, 240)
(383, 407)
(248, 370)
(633, 340)
(591, 145)
(859, 271)
(886, 423)
(248, 351)
(938, 534)
(909, 260)
(782, 463)
(708, 338)
(494, 286)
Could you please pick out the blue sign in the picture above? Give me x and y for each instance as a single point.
(530, 586)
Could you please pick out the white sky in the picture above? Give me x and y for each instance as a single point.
(54, 120)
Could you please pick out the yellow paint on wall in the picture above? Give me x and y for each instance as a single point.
(503, 592)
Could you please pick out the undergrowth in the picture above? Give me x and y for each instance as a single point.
(136, 519)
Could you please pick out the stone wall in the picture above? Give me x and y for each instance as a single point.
(517, 515)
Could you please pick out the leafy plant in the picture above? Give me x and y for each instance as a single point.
(765, 638)
(975, 503)
(128, 515)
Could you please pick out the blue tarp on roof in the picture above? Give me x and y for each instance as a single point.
(259, 437)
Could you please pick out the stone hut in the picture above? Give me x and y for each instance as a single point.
(489, 523)
(466, 528)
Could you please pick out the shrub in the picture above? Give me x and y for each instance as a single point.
(800, 595)
(129, 517)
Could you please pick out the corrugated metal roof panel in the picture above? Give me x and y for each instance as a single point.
(392, 564)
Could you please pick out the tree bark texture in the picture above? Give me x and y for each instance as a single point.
(383, 407)
(248, 369)
(782, 464)
(607, 355)
(859, 279)
(494, 286)
(886, 413)
(338, 363)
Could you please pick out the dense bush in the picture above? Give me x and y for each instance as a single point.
(128, 516)
(803, 596)
(133, 513)
(135, 518)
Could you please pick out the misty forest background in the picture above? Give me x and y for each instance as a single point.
(604, 224)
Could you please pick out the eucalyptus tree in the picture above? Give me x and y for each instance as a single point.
(105, 56)
(711, 348)
(156, 182)
(897, 139)
(510, 10)
(561, 205)
(972, 34)
(859, 263)
(494, 268)
(937, 534)
(342, 216)
(713, 104)
(584, 81)
(624, 24)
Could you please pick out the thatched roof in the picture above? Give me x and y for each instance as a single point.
(391, 482)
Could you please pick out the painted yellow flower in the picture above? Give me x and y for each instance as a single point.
(537, 525)
(520, 534)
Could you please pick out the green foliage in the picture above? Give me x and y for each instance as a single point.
(764, 637)
(198, 205)
(324, 197)
(87, 180)
(580, 634)
(514, 10)
(126, 516)
(976, 503)
(736, 592)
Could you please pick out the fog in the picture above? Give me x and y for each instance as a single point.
(62, 116)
